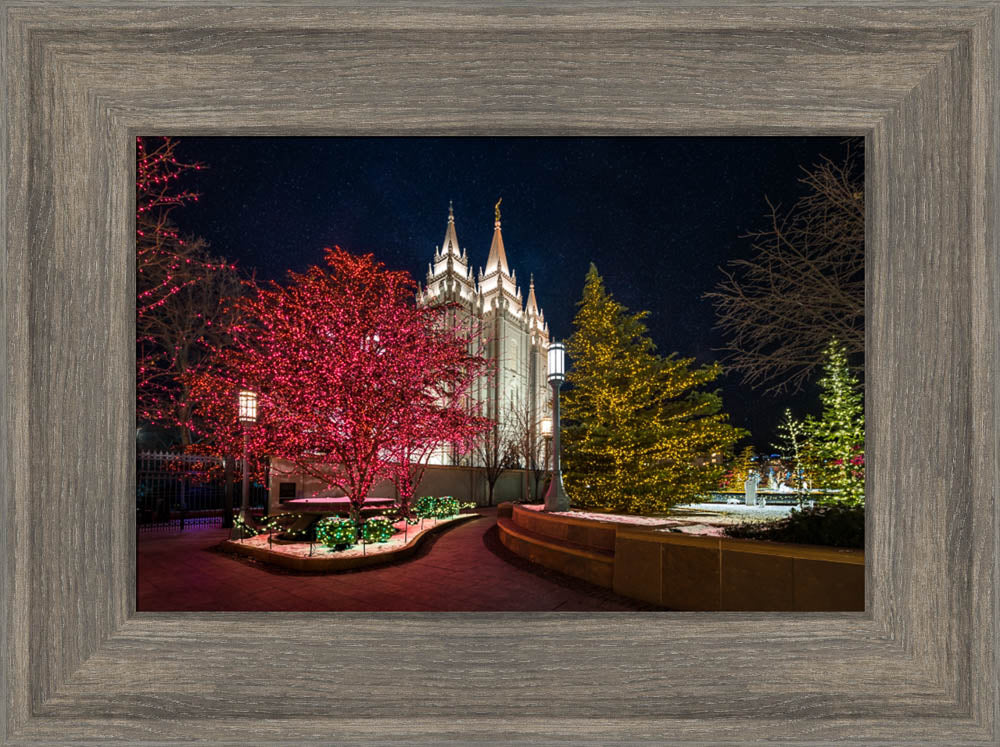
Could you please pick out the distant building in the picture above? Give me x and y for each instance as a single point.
(515, 332)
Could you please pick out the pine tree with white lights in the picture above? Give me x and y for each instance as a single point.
(837, 439)
(793, 444)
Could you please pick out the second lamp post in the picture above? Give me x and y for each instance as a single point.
(556, 498)
(247, 414)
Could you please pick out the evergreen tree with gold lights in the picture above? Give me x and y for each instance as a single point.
(640, 429)
(743, 465)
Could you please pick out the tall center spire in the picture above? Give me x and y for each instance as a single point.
(498, 257)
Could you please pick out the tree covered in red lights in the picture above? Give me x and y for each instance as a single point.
(355, 382)
(420, 436)
(182, 290)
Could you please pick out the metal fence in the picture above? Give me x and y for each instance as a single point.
(174, 490)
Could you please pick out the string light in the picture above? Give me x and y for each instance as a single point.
(179, 287)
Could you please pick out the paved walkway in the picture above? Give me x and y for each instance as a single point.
(465, 568)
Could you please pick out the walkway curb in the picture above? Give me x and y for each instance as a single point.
(335, 564)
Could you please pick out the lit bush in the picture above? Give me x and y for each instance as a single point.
(425, 507)
(399, 512)
(447, 506)
(834, 525)
(336, 533)
(443, 507)
(377, 529)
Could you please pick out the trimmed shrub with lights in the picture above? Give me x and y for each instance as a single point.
(399, 512)
(377, 529)
(443, 507)
(425, 506)
(336, 533)
(447, 506)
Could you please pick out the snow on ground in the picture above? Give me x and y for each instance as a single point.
(706, 530)
(720, 511)
(707, 519)
(301, 549)
(617, 518)
(741, 510)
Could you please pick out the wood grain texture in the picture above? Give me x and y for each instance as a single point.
(81, 80)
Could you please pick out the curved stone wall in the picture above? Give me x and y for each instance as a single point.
(335, 563)
(688, 572)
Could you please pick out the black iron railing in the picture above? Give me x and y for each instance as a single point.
(174, 490)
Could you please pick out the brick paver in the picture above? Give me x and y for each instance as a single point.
(464, 568)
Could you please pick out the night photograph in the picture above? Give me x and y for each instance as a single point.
(500, 374)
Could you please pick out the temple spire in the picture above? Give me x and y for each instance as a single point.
(450, 243)
(531, 307)
(498, 257)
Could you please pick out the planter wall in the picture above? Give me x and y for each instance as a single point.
(689, 572)
(335, 563)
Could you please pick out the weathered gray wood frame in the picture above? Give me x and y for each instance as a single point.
(920, 82)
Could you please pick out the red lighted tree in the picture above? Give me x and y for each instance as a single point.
(181, 289)
(160, 252)
(428, 429)
(352, 376)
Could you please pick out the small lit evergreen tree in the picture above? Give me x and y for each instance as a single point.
(739, 471)
(794, 446)
(640, 431)
(837, 438)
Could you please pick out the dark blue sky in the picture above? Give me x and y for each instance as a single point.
(658, 216)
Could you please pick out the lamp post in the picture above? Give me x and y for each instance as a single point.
(556, 498)
(247, 415)
(546, 429)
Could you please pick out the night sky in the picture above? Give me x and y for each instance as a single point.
(658, 216)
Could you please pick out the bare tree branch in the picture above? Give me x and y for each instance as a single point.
(496, 451)
(529, 444)
(804, 285)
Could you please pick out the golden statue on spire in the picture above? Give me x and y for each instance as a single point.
(496, 209)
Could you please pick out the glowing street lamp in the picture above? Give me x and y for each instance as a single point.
(556, 498)
(545, 428)
(247, 407)
(246, 413)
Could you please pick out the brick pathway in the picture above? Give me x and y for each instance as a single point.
(462, 569)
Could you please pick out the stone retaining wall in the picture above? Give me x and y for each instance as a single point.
(688, 572)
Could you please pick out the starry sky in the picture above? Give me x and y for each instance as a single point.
(657, 216)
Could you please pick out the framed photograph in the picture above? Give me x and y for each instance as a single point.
(916, 82)
(668, 415)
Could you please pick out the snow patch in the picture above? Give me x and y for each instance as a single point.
(652, 521)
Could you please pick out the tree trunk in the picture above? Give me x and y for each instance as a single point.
(355, 513)
(227, 497)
